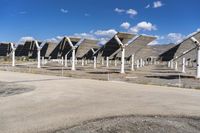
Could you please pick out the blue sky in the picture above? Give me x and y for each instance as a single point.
(169, 20)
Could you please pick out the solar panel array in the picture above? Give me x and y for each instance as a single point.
(86, 49)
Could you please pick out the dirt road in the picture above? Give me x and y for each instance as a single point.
(57, 102)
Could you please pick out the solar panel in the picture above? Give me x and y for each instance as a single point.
(180, 48)
(187, 45)
(112, 46)
(85, 47)
(5, 49)
(63, 48)
(49, 48)
(136, 45)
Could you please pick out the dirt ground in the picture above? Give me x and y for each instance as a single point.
(7, 89)
(150, 74)
(59, 103)
(137, 124)
(56, 99)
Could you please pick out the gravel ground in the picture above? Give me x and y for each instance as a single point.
(9, 89)
(152, 74)
(137, 124)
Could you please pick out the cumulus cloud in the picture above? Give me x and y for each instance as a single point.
(175, 37)
(125, 25)
(145, 26)
(63, 10)
(108, 33)
(131, 12)
(101, 35)
(198, 29)
(157, 4)
(119, 10)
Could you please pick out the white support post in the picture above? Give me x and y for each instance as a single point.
(107, 62)
(38, 55)
(176, 65)
(43, 61)
(123, 59)
(151, 62)
(169, 64)
(154, 61)
(141, 62)
(132, 62)
(95, 62)
(73, 58)
(102, 61)
(183, 66)
(66, 65)
(198, 62)
(138, 64)
(13, 54)
(115, 62)
(82, 62)
(62, 61)
(172, 64)
(13, 57)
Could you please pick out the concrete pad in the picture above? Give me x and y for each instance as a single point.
(58, 102)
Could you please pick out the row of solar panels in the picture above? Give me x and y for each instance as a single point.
(86, 49)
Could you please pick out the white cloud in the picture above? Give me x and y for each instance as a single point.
(63, 10)
(125, 25)
(147, 6)
(85, 35)
(27, 38)
(119, 10)
(146, 26)
(175, 37)
(198, 29)
(101, 35)
(108, 33)
(102, 41)
(55, 40)
(131, 12)
(154, 43)
(157, 4)
(134, 29)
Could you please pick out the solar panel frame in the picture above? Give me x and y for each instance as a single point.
(136, 45)
(112, 45)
